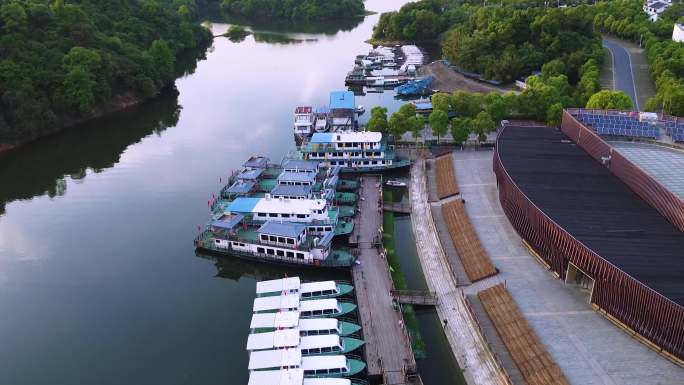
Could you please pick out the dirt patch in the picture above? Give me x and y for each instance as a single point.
(448, 80)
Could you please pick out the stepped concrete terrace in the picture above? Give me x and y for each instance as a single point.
(389, 355)
(588, 348)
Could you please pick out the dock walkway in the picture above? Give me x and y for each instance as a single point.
(389, 355)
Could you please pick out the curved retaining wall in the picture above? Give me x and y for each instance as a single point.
(650, 190)
(655, 318)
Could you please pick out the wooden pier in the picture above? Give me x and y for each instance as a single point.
(415, 297)
(400, 208)
(388, 352)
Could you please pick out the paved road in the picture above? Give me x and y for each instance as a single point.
(623, 76)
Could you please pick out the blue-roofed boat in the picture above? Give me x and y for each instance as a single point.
(361, 151)
(415, 87)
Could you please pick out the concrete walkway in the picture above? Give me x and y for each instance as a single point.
(589, 349)
(471, 351)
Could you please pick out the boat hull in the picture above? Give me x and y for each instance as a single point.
(282, 262)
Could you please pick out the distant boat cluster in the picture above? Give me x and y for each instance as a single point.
(297, 336)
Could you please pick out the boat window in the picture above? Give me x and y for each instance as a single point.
(272, 238)
(327, 350)
(217, 241)
(301, 215)
(300, 255)
(315, 350)
(316, 293)
(306, 313)
(290, 254)
(306, 294)
(260, 250)
(280, 253)
(336, 348)
(335, 370)
(269, 251)
(272, 215)
(286, 215)
(309, 372)
(281, 239)
(290, 241)
(264, 237)
(327, 311)
(327, 292)
(317, 312)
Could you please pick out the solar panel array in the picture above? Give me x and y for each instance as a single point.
(675, 130)
(619, 125)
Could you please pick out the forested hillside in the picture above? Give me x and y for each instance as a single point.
(60, 61)
(307, 10)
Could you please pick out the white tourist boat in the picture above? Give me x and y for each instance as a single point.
(268, 322)
(307, 290)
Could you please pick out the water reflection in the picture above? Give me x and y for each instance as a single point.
(41, 167)
(330, 27)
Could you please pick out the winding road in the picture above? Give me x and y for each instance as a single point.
(623, 73)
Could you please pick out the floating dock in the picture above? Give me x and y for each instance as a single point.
(389, 356)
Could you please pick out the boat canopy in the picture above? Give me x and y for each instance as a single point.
(321, 341)
(277, 377)
(288, 338)
(300, 165)
(323, 362)
(241, 186)
(282, 229)
(342, 100)
(283, 319)
(291, 191)
(296, 176)
(283, 302)
(307, 324)
(278, 358)
(256, 162)
(250, 174)
(276, 206)
(310, 287)
(278, 285)
(316, 304)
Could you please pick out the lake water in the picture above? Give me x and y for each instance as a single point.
(99, 281)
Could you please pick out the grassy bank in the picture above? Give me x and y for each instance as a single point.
(399, 279)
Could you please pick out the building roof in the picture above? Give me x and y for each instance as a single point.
(291, 190)
(587, 200)
(323, 362)
(301, 164)
(274, 359)
(310, 287)
(664, 164)
(342, 100)
(250, 174)
(306, 324)
(282, 229)
(318, 304)
(276, 205)
(241, 186)
(321, 341)
(293, 176)
(228, 221)
(282, 302)
(283, 319)
(287, 338)
(277, 377)
(346, 137)
(256, 162)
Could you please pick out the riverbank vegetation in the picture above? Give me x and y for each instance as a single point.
(626, 19)
(410, 319)
(305, 10)
(60, 63)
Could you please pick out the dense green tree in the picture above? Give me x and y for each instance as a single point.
(398, 125)
(554, 115)
(59, 62)
(496, 106)
(439, 123)
(483, 124)
(466, 104)
(295, 9)
(460, 129)
(408, 110)
(378, 120)
(613, 100)
(441, 101)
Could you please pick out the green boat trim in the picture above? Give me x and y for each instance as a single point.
(344, 227)
(351, 344)
(348, 328)
(355, 366)
(347, 184)
(347, 211)
(346, 308)
(346, 197)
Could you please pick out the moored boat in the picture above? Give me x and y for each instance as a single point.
(332, 366)
(324, 344)
(313, 308)
(307, 290)
(295, 377)
(395, 183)
(269, 322)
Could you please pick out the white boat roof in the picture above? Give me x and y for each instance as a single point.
(278, 285)
(278, 377)
(283, 319)
(276, 302)
(323, 341)
(306, 324)
(346, 137)
(317, 304)
(323, 362)
(274, 340)
(308, 287)
(327, 381)
(288, 206)
(274, 358)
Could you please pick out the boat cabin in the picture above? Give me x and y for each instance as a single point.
(342, 110)
(325, 365)
(283, 234)
(319, 307)
(256, 161)
(300, 165)
(291, 377)
(279, 339)
(318, 289)
(280, 320)
(303, 120)
(292, 192)
(275, 359)
(321, 344)
(290, 178)
(292, 210)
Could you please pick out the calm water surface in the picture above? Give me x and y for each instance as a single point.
(99, 281)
